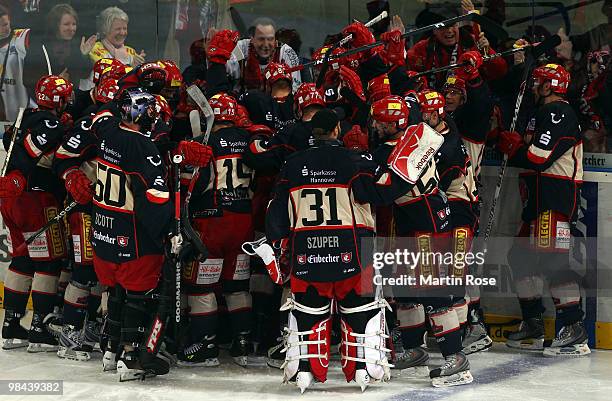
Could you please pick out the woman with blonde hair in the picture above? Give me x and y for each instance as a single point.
(113, 29)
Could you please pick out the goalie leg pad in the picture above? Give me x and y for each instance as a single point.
(308, 336)
(364, 338)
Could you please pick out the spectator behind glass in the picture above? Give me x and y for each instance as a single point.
(68, 56)
(292, 38)
(113, 28)
(13, 92)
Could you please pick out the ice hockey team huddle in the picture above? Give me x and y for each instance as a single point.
(157, 221)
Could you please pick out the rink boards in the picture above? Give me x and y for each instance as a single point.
(501, 307)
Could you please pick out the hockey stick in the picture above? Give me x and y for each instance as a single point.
(530, 59)
(16, 129)
(484, 59)
(48, 225)
(177, 238)
(483, 21)
(47, 58)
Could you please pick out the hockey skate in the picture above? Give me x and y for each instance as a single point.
(41, 338)
(476, 338)
(454, 372)
(55, 322)
(91, 334)
(362, 378)
(240, 349)
(72, 344)
(203, 353)
(412, 361)
(134, 365)
(109, 361)
(396, 341)
(529, 336)
(276, 354)
(571, 340)
(13, 333)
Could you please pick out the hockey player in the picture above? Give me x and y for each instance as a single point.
(470, 104)
(317, 219)
(74, 163)
(221, 208)
(31, 196)
(551, 151)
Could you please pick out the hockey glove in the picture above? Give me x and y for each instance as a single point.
(79, 187)
(221, 46)
(470, 71)
(351, 80)
(356, 139)
(12, 185)
(394, 48)
(361, 37)
(194, 153)
(509, 142)
(67, 120)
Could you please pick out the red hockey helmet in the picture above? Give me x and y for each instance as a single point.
(319, 55)
(174, 78)
(152, 77)
(308, 95)
(163, 108)
(243, 117)
(378, 88)
(53, 92)
(103, 66)
(225, 107)
(454, 83)
(431, 101)
(274, 72)
(558, 77)
(116, 72)
(391, 109)
(106, 90)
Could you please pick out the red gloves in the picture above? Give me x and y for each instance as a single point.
(361, 36)
(79, 186)
(394, 49)
(194, 153)
(67, 120)
(221, 46)
(350, 79)
(356, 139)
(12, 185)
(509, 142)
(469, 72)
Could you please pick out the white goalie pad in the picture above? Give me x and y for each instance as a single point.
(414, 150)
(311, 345)
(369, 346)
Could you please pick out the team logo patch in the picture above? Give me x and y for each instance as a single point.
(122, 241)
(346, 257)
(301, 259)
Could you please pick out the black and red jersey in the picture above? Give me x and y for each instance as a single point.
(226, 183)
(265, 110)
(37, 140)
(131, 210)
(552, 156)
(321, 204)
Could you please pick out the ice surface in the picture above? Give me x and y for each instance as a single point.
(499, 374)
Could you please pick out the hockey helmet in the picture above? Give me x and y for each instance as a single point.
(274, 72)
(163, 108)
(53, 92)
(137, 106)
(174, 78)
(224, 107)
(454, 83)
(431, 101)
(558, 77)
(106, 90)
(152, 77)
(391, 109)
(308, 95)
(103, 66)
